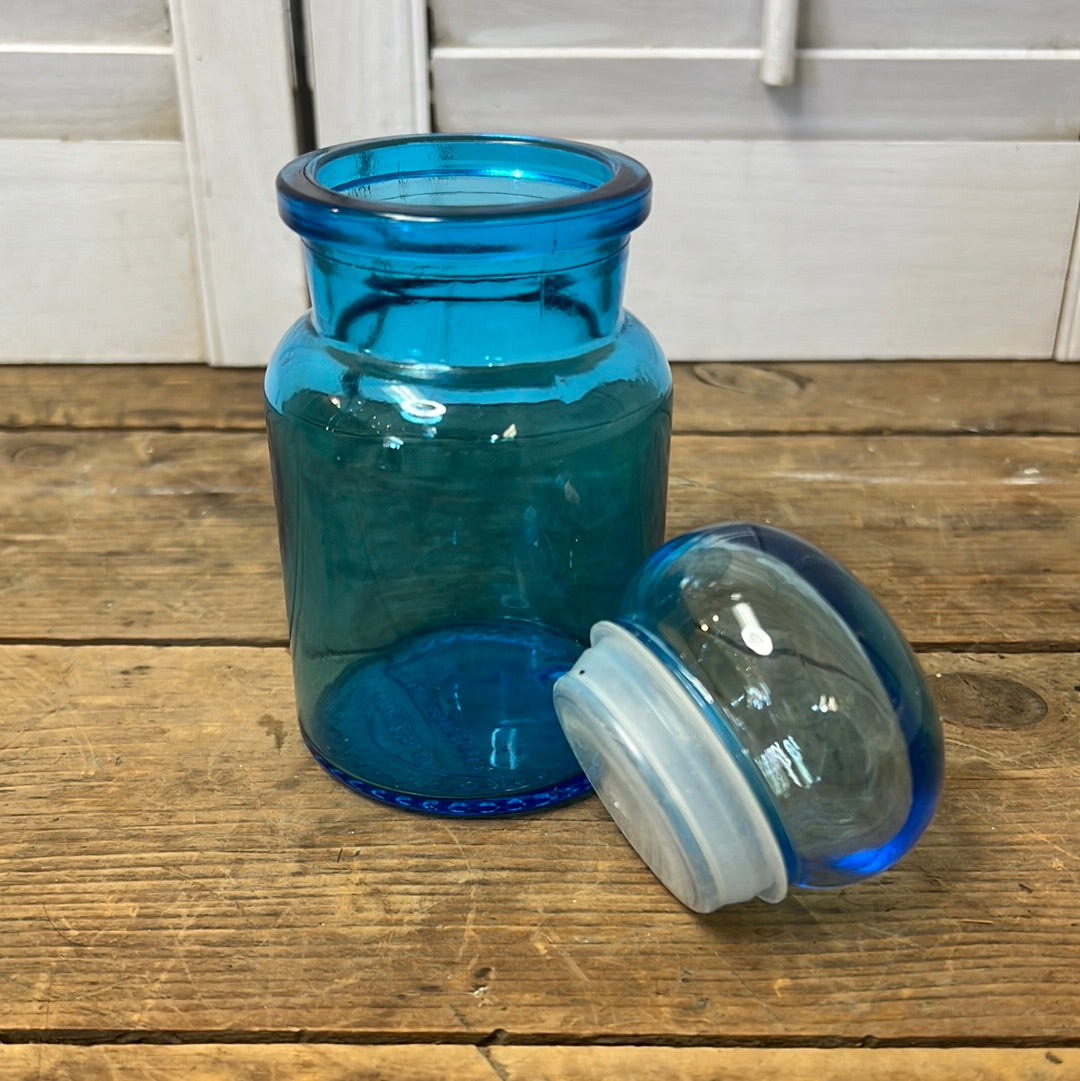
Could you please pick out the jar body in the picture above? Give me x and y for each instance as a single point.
(459, 497)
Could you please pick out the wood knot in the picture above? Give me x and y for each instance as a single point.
(753, 380)
(43, 455)
(978, 701)
(273, 726)
(481, 978)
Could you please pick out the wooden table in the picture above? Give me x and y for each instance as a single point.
(183, 891)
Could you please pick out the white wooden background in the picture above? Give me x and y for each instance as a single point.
(839, 24)
(138, 145)
(912, 193)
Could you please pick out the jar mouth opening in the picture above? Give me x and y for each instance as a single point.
(415, 185)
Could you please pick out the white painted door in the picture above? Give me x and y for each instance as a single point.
(138, 145)
(912, 193)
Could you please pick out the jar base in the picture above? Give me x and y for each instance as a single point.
(458, 722)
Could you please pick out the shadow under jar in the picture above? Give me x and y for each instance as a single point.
(469, 444)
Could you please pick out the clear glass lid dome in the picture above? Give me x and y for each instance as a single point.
(755, 720)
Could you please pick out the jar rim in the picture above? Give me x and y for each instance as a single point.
(526, 186)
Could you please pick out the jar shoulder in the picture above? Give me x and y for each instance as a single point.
(314, 376)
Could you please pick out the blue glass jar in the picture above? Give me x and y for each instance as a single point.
(754, 720)
(469, 444)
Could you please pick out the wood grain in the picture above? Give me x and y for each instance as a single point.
(175, 868)
(155, 396)
(968, 397)
(170, 535)
(322, 1062)
(172, 863)
(794, 1064)
(333, 1062)
(1018, 397)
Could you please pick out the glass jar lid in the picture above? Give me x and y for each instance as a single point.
(754, 720)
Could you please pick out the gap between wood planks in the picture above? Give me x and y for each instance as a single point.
(499, 1037)
(919, 646)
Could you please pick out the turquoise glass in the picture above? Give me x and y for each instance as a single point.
(469, 445)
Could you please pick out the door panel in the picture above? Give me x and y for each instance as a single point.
(826, 250)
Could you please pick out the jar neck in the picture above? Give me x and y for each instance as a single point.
(472, 311)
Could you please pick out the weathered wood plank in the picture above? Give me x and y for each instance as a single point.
(1023, 397)
(165, 396)
(230, 1062)
(172, 862)
(793, 1064)
(965, 540)
(999, 397)
(137, 535)
(334, 1062)
(170, 536)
